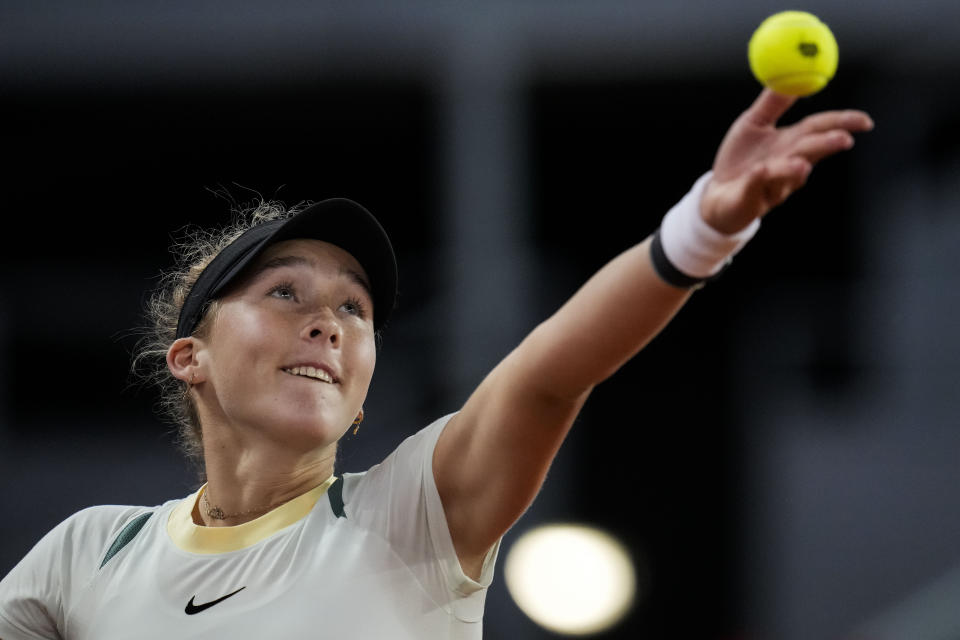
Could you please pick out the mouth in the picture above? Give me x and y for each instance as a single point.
(312, 373)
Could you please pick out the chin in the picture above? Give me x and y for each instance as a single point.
(312, 431)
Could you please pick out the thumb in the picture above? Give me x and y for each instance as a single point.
(729, 206)
(753, 201)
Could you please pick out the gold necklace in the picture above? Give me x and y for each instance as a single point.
(217, 513)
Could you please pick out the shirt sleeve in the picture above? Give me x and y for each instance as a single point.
(30, 595)
(34, 596)
(398, 500)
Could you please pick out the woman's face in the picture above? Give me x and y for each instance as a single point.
(291, 351)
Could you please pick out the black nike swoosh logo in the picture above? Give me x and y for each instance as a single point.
(191, 608)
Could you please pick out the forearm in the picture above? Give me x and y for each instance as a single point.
(608, 321)
(629, 301)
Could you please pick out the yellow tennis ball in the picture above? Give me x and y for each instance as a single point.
(793, 53)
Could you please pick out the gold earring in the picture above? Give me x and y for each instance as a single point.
(357, 421)
(193, 375)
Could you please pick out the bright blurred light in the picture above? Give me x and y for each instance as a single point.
(571, 579)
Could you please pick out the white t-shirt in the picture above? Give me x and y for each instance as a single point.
(382, 565)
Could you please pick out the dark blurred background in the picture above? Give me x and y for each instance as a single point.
(782, 461)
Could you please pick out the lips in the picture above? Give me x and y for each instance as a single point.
(314, 372)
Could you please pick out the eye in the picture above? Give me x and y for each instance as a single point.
(355, 307)
(284, 291)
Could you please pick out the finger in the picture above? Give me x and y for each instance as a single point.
(755, 196)
(768, 108)
(849, 120)
(783, 177)
(817, 146)
(763, 187)
(793, 170)
(769, 184)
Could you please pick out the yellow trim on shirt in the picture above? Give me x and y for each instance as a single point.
(195, 538)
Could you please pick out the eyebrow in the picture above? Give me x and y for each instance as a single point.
(300, 261)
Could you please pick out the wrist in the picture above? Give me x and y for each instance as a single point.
(686, 250)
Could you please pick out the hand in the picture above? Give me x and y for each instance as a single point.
(758, 165)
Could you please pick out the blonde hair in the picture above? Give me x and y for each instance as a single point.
(191, 256)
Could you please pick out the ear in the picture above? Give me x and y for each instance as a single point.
(182, 360)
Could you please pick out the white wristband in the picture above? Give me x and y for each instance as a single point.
(694, 247)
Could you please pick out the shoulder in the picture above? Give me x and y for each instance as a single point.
(104, 516)
(397, 501)
(80, 543)
(93, 524)
(101, 521)
(417, 448)
(40, 586)
(405, 465)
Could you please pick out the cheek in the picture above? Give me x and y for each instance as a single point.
(240, 338)
(365, 358)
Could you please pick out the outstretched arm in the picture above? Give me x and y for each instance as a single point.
(493, 456)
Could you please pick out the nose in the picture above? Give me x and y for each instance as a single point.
(323, 326)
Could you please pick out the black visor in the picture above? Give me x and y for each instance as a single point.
(339, 221)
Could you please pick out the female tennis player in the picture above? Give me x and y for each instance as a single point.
(268, 341)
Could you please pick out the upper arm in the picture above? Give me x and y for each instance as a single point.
(493, 456)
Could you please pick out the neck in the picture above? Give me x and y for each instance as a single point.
(244, 482)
